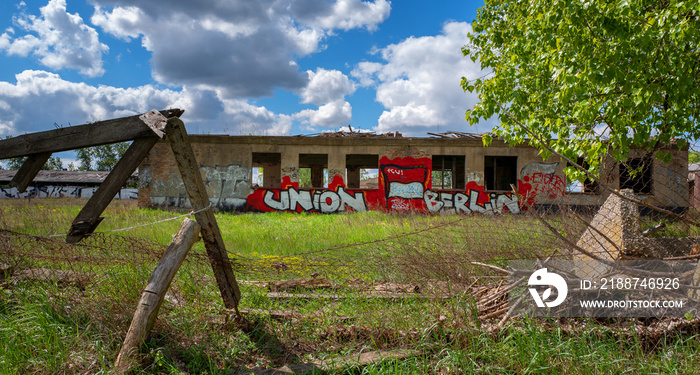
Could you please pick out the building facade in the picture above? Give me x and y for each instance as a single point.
(457, 174)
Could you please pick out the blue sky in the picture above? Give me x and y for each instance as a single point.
(270, 67)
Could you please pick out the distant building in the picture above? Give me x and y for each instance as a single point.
(57, 184)
(450, 172)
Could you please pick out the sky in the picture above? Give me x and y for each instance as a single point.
(238, 67)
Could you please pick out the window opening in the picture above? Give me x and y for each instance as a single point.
(636, 174)
(267, 169)
(313, 170)
(362, 171)
(448, 172)
(587, 186)
(501, 172)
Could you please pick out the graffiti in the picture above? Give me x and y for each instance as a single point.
(228, 184)
(468, 203)
(540, 180)
(61, 192)
(411, 190)
(404, 180)
(325, 201)
(292, 172)
(404, 185)
(399, 205)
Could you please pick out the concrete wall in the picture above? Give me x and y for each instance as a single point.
(405, 182)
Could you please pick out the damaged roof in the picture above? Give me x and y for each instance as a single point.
(64, 177)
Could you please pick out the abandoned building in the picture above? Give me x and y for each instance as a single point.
(58, 184)
(449, 172)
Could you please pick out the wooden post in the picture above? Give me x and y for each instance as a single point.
(29, 170)
(176, 134)
(152, 296)
(89, 217)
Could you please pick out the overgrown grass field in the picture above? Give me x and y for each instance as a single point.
(50, 327)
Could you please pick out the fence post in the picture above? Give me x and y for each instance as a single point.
(152, 296)
(176, 134)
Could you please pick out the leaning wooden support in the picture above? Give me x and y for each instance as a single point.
(176, 135)
(153, 294)
(29, 170)
(89, 217)
(74, 137)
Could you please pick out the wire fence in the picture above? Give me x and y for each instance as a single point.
(641, 209)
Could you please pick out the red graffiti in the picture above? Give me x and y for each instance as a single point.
(474, 186)
(404, 181)
(405, 185)
(548, 185)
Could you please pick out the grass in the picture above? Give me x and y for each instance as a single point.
(51, 328)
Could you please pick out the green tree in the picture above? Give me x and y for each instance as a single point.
(586, 78)
(100, 158)
(53, 164)
(693, 157)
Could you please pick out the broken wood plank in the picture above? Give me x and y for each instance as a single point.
(29, 170)
(364, 359)
(277, 314)
(152, 296)
(262, 284)
(89, 217)
(289, 314)
(74, 137)
(389, 296)
(305, 283)
(176, 135)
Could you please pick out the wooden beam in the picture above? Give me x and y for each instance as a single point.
(28, 170)
(176, 134)
(152, 296)
(74, 137)
(89, 217)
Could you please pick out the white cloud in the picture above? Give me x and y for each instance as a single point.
(123, 22)
(327, 89)
(62, 40)
(351, 14)
(333, 114)
(241, 48)
(418, 83)
(326, 86)
(65, 102)
(250, 119)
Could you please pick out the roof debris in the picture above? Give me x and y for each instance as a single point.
(454, 134)
(353, 134)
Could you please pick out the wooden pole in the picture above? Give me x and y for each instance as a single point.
(152, 296)
(176, 134)
(89, 217)
(29, 170)
(73, 137)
